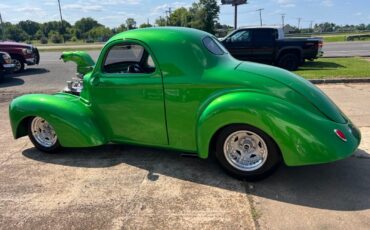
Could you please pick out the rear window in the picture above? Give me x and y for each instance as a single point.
(213, 46)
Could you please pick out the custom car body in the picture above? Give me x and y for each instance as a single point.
(179, 88)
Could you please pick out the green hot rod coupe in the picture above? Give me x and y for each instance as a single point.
(179, 88)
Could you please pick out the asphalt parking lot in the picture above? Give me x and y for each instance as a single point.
(125, 187)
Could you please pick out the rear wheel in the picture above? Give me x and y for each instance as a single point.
(246, 152)
(289, 61)
(19, 64)
(43, 135)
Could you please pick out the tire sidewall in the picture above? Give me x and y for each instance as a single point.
(273, 156)
(52, 149)
(17, 59)
(286, 60)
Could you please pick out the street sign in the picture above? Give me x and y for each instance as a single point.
(233, 2)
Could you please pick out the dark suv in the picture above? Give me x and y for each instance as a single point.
(21, 54)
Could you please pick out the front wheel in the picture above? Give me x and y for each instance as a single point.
(246, 152)
(18, 64)
(43, 135)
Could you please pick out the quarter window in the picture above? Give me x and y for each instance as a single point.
(128, 59)
(241, 36)
(213, 46)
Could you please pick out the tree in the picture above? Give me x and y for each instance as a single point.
(100, 33)
(210, 12)
(145, 25)
(160, 21)
(84, 25)
(15, 33)
(30, 27)
(131, 23)
(180, 17)
(119, 29)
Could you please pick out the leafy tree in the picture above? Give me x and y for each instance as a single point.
(210, 11)
(161, 21)
(145, 25)
(131, 23)
(180, 17)
(84, 25)
(15, 33)
(30, 27)
(119, 29)
(100, 33)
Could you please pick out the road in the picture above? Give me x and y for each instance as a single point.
(120, 186)
(346, 49)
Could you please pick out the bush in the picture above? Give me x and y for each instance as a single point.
(56, 38)
(74, 39)
(43, 40)
(358, 37)
(89, 40)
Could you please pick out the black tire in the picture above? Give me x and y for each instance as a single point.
(19, 64)
(270, 164)
(289, 61)
(51, 149)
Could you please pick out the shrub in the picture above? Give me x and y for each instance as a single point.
(43, 40)
(56, 38)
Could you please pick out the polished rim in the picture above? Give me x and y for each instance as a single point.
(17, 64)
(43, 132)
(245, 150)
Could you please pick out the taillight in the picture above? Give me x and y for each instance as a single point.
(340, 134)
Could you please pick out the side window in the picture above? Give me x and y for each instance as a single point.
(264, 35)
(241, 36)
(128, 58)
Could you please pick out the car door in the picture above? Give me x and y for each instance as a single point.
(263, 43)
(127, 93)
(239, 45)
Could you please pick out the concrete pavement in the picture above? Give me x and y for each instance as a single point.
(347, 49)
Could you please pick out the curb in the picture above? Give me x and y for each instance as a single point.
(339, 80)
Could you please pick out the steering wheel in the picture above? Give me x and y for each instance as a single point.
(135, 68)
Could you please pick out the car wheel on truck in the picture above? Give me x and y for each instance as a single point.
(43, 135)
(246, 152)
(19, 64)
(289, 61)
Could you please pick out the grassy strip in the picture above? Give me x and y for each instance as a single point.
(325, 68)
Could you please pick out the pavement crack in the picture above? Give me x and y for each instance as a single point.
(254, 212)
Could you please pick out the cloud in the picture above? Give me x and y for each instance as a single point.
(286, 3)
(83, 7)
(159, 10)
(327, 3)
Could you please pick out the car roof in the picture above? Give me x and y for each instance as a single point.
(155, 34)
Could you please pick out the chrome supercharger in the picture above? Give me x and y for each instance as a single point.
(75, 85)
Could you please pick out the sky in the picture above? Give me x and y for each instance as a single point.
(112, 13)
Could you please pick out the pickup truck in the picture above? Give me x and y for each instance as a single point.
(268, 45)
(21, 54)
(6, 64)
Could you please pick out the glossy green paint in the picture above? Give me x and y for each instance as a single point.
(193, 94)
(83, 60)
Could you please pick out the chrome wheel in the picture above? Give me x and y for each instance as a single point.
(245, 150)
(17, 65)
(43, 133)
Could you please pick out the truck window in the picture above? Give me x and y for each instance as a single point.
(241, 36)
(264, 35)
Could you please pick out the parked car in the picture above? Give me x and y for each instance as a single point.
(268, 45)
(6, 64)
(179, 88)
(21, 54)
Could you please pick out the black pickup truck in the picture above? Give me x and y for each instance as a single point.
(268, 45)
(6, 64)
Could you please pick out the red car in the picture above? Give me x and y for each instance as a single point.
(21, 54)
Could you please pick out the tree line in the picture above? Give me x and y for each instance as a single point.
(201, 15)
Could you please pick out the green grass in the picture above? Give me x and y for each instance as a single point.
(341, 37)
(326, 68)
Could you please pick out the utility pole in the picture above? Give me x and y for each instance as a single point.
(260, 10)
(235, 16)
(2, 28)
(299, 22)
(311, 22)
(61, 20)
(282, 20)
(169, 12)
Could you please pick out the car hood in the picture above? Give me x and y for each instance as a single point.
(83, 60)
(300, 85)
(16, 44)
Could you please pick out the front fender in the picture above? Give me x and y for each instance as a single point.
(302, 136)
(71, 118)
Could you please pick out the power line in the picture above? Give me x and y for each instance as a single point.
(260, 10)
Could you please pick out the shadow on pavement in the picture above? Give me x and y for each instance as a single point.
(342, 185)
(8, 81)
(29, 72)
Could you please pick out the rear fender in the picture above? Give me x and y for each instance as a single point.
(302, 137)
(71, 118)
